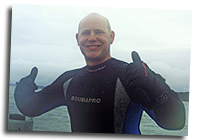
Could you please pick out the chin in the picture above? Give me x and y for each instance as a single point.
(92, 56)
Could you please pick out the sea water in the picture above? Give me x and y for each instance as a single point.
(57, 120)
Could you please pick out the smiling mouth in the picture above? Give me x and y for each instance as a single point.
(93, 46)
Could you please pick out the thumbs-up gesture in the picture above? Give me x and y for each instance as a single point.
(33, 74)
(25, 88)
(140, 76)
(29, 80)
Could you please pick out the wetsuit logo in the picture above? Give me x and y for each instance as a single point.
(86, 100)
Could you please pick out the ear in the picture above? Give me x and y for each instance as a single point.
(77, 40)
(112, 36)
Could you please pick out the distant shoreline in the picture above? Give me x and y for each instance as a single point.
(184, 96)
(11, 84)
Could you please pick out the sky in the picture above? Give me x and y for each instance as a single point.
(44, 36)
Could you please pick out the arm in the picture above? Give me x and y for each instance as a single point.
(155, 96)
(32, 103)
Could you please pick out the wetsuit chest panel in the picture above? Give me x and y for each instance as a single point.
(90, 100)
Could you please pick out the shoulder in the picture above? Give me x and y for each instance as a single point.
(56, 87)
(118, 63)
(119, 68)
(67, 75)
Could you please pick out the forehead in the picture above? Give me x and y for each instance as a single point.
(92, 23)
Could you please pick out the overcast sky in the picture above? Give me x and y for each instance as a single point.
(44, 36)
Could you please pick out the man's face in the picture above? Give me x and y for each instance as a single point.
(94, 39)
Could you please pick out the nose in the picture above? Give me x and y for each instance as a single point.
(92, 37)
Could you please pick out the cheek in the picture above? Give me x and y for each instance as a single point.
(106, 40)
(82, 41)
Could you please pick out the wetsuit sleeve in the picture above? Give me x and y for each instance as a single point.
(155, 96)
(31, 103)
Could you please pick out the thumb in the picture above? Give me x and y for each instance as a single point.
(33, 73)
(135, 57)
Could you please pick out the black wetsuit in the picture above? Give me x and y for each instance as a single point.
(96, 97)
(97, 100)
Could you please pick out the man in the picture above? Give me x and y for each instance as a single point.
(107, 95)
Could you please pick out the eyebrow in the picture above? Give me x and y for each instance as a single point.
(99, 30)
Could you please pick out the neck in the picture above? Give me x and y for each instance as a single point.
(94, 62)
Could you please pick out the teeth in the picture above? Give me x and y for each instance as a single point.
(93, 46)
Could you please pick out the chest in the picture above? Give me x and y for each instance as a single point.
(98, 97)
(92, 88)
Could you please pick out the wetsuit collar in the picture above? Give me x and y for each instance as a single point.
(97, 67)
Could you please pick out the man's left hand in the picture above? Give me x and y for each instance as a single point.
(140, 76)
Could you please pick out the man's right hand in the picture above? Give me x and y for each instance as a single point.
(29, 80)
(25, 89)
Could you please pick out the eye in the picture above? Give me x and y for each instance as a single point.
(99, 32)
(85, 33)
